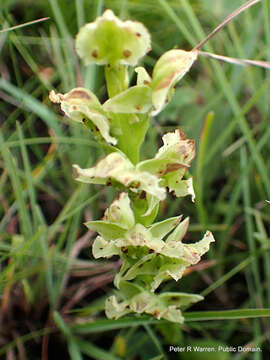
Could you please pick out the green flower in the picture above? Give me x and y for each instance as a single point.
(133, 298)
(110, 41)
(148, 253)
(117, 169)
(83, 106)
(171, 163)
(151, 176)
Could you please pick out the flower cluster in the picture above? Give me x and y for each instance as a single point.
(151, 252)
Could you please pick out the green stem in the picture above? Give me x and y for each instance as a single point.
(116, 79)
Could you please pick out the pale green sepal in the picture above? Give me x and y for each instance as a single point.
(155, 268)
(153, 206)
(103, 248)
(145, 208)
(109, 40)
(169, 69)
(130, 289)
(179, 232)
(175, 155)
(136, 99)
(118, 168)
(201, 247)
(179, 298)
(161, 229)
(181, 188)
(143, 78)
(177, 148)
(147, 265)
(120, 212)
(115, 309)
(171, 268)
(140, 236)
(127, 263)
(108, 231)
(81, 104)
(171, 162)
(191, 253)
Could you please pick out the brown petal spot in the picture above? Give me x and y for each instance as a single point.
(95, 54)
(173, 167)
(78, 94)
(166, 81)
(126, 53)
(138, 34)
(143, 195)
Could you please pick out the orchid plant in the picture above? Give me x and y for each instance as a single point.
(151, 252)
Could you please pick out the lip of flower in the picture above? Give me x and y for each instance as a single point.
(112, 41)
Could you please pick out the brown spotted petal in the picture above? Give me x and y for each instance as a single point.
(176, 153)
(169, 69)
(171, 163)
(191, 253)
(111, 41)
(143, 78)
(80, 104)
(117, 167)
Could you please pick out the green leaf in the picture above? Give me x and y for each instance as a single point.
(226, 314)
(109, 325)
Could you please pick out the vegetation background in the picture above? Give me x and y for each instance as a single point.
(51, 289)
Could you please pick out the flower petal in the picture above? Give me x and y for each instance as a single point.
(136, 99)
(80, 104)
(109, 40)
(143, 78)
(169, 69)
(163, 306)
(116, 167)
(171, 162)
(103, 248)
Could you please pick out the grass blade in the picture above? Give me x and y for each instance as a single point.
(25, 24)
